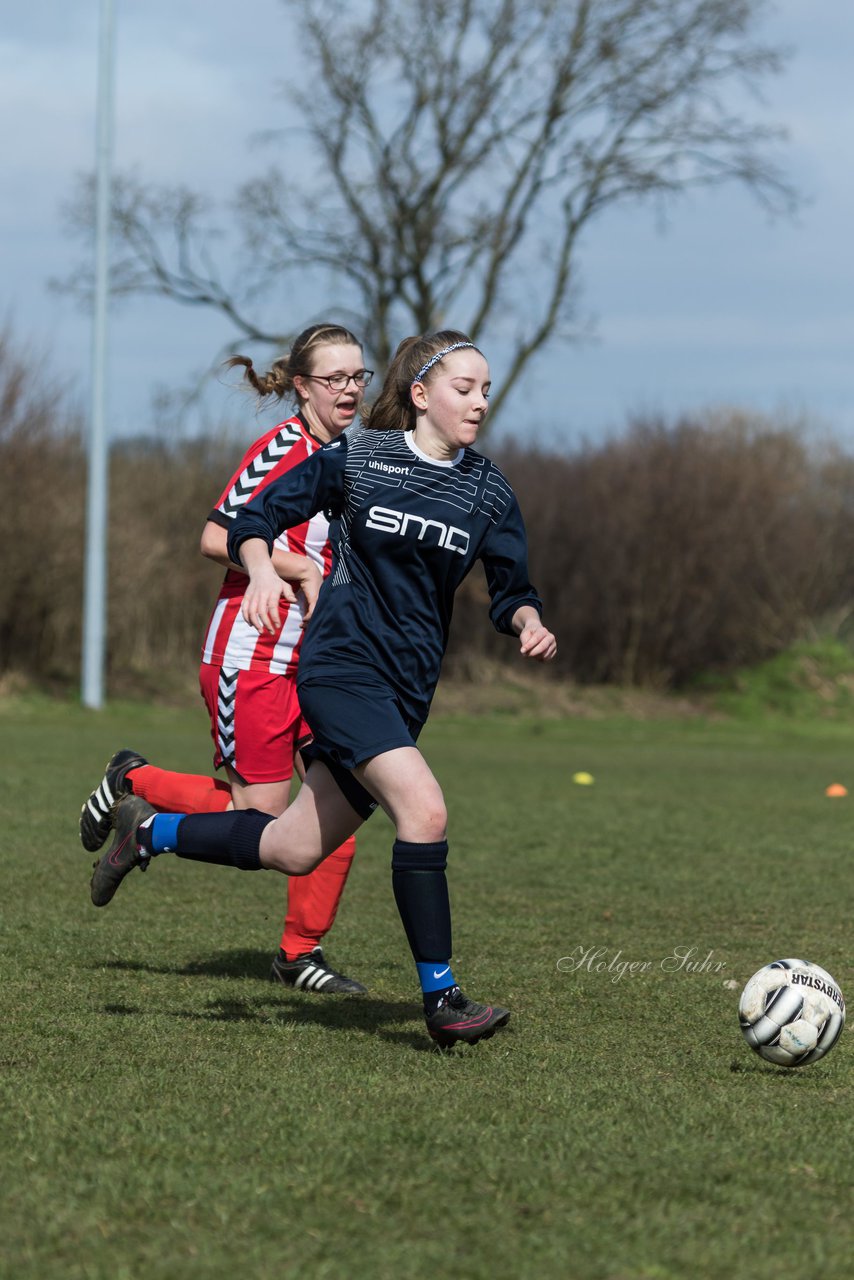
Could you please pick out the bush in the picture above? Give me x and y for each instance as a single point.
(160, 590)
(679, 549)
(672, 551)
(41, 522)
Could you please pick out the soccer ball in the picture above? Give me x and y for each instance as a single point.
(791, 1012)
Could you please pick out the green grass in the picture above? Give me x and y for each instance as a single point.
(169, 1113)
(810, 679)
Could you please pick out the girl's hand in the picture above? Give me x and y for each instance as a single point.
(536, 641)
(261, 600)
(309, 583)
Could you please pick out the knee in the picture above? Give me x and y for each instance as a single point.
(292, 863)
(435, 823)
(426, 824)
(425, 821)
(303, 865)
(280, 852)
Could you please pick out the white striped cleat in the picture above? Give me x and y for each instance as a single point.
(311, 973)
(99, 811)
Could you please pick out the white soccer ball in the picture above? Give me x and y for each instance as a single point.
(791, 1012)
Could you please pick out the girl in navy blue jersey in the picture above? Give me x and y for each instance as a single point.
(416, 506)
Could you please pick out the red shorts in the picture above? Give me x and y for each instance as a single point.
(256, 722)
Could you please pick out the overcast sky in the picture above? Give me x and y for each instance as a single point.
(723, 307)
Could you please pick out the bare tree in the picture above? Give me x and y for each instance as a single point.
(457, 150)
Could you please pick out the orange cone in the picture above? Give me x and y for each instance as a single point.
(836, 790)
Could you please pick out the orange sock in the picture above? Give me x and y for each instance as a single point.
(313, 901)
(179, 792)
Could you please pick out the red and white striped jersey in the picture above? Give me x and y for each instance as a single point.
(229, 640)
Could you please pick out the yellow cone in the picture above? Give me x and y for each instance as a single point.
(583, 779)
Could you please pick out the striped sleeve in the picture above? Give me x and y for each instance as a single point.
(315, 485)
(505, 555)
(272, 455)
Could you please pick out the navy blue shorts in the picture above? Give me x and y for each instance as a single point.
(351, 725)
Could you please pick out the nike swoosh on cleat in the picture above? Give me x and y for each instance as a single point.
(470, 1023)
(113, 858)
(439, 973)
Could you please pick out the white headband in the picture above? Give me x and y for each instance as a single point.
(455, 346)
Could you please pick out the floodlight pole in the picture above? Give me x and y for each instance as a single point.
(95, 576)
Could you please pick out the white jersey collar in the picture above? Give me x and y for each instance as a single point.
(425, 457)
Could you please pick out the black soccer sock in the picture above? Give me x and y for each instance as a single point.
(421, 893)
(226, 839)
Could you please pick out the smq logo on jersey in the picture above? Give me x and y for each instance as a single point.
(407, 524)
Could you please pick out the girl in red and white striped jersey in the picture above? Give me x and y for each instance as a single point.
(248, 679)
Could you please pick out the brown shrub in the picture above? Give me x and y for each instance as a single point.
(160, 589)
(678, 549)
(673, 550)
(41, 521)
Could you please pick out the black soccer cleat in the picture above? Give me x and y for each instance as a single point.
(310, 972)
(459, 1020)
(123, 854)
(96, 816)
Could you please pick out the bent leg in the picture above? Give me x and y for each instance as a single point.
(179, 792)
(319, 820)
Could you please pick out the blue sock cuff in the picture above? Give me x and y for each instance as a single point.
(434, 975)
(164, 832)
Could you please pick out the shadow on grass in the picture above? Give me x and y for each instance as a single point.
(769, 1069)
(279, 1005)
(239, 963)
(361, 1014)
(364, 1014)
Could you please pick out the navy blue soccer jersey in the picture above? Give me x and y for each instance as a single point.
(410, 528)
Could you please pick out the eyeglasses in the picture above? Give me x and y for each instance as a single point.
(340, 381)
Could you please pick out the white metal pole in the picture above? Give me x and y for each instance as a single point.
(95, 576)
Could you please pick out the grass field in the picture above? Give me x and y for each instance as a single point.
(169, 1113)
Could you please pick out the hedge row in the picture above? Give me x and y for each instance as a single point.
(673, 550)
